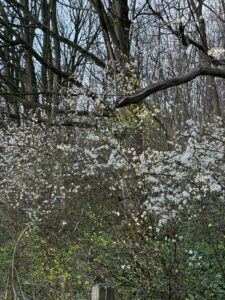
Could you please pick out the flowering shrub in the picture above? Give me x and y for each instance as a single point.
(151, 221)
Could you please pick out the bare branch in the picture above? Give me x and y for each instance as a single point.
(61, 38)
(185, 38)
(160, 86)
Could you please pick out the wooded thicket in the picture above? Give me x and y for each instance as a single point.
(112, 148)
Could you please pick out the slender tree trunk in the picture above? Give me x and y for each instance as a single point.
(213, 103)
(56, 43)
(45, 49)
(28, 35)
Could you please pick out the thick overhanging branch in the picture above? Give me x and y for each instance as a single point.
(160, 86)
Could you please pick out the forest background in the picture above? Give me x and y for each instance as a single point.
(112, 148)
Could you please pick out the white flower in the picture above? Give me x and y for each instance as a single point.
(215, 52)
(185, 194)
(60, 147)
(215, 187)
(190, 122)
(93, 138)
(186, 157)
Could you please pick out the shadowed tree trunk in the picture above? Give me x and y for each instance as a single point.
(56, 47)
(28, 36)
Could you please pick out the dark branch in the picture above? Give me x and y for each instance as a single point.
(185, 38)
(60, 38)
(160, 86)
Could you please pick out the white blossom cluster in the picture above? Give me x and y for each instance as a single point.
(41, 172)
